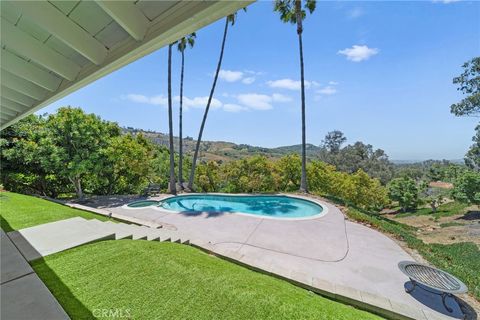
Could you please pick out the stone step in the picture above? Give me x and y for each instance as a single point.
(120, 232)
(152, 234)
(157, 232)
(43, 240)
(171, 235)
(137, 232)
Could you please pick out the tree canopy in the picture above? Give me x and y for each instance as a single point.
(469, 84)
(73, 150)
(352, 158)
(405, 191)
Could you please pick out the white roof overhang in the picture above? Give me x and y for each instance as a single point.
(52, 48)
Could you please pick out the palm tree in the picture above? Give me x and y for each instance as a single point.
(181, 46)
(230, 19)
(172, 188)
(291, 12)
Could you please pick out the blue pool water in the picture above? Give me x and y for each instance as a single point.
(272, 206)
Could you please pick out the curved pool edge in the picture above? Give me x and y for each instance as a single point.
(322, 204)
(126, 205)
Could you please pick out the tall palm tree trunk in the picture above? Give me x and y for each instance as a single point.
(172, 187)
(303, 180)
(180, 143)
(197, 147)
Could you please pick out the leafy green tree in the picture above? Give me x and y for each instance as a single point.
(207, 177)
(333, 141)
(254, 174)
(433, 196)
(469, 84)
(289, 171)
(183, 43)
(351, 158)
(467, 187)
(405, 191)
(472, 158)
(172, 185)
(126, 166)
(291, 12)
(436, 172)
(323, 179)
(366, 193)
(229, 20)
(79, 139)
(27, 154)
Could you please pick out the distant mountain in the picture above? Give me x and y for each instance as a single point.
(226, 151)
(223, 150)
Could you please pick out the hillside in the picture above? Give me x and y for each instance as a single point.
(225, 151)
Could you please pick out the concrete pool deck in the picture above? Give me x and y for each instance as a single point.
(343, 258)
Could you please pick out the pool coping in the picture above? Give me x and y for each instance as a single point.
(322, 204)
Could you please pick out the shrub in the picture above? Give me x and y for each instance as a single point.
(405, 191)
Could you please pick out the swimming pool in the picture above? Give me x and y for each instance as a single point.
(142, 204)
(275, 206)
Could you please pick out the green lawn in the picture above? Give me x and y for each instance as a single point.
(152, 280)
(19, 211)
(445, 210)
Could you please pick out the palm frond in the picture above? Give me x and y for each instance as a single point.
(286, 9)
(186, 41)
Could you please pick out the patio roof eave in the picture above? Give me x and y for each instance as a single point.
(49, 52)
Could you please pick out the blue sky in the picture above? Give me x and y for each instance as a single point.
(381, 72)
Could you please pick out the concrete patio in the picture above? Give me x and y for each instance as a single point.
(23, 294)
(342, 258)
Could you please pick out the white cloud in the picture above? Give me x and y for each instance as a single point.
(248, 80)
(333, 83)
(358, 53)
(230, 76)
(234, 76)
(277, 97)
(160, 100)
(328, 90)
(356, 13)
(140, 98)
(200, 102)
(289, 84)
(258, 101)
(255, 101)
(230, 107)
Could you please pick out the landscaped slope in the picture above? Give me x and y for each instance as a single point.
(149, 280)
(19, 211)
(460, 259)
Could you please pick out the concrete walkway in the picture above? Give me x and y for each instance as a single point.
(344, 258)
(23, 294)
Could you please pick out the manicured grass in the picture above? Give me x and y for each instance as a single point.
(445, 210)
(152, 280)
(19, 211)
(460, 259)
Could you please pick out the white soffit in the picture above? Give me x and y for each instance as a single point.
(52, 48)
